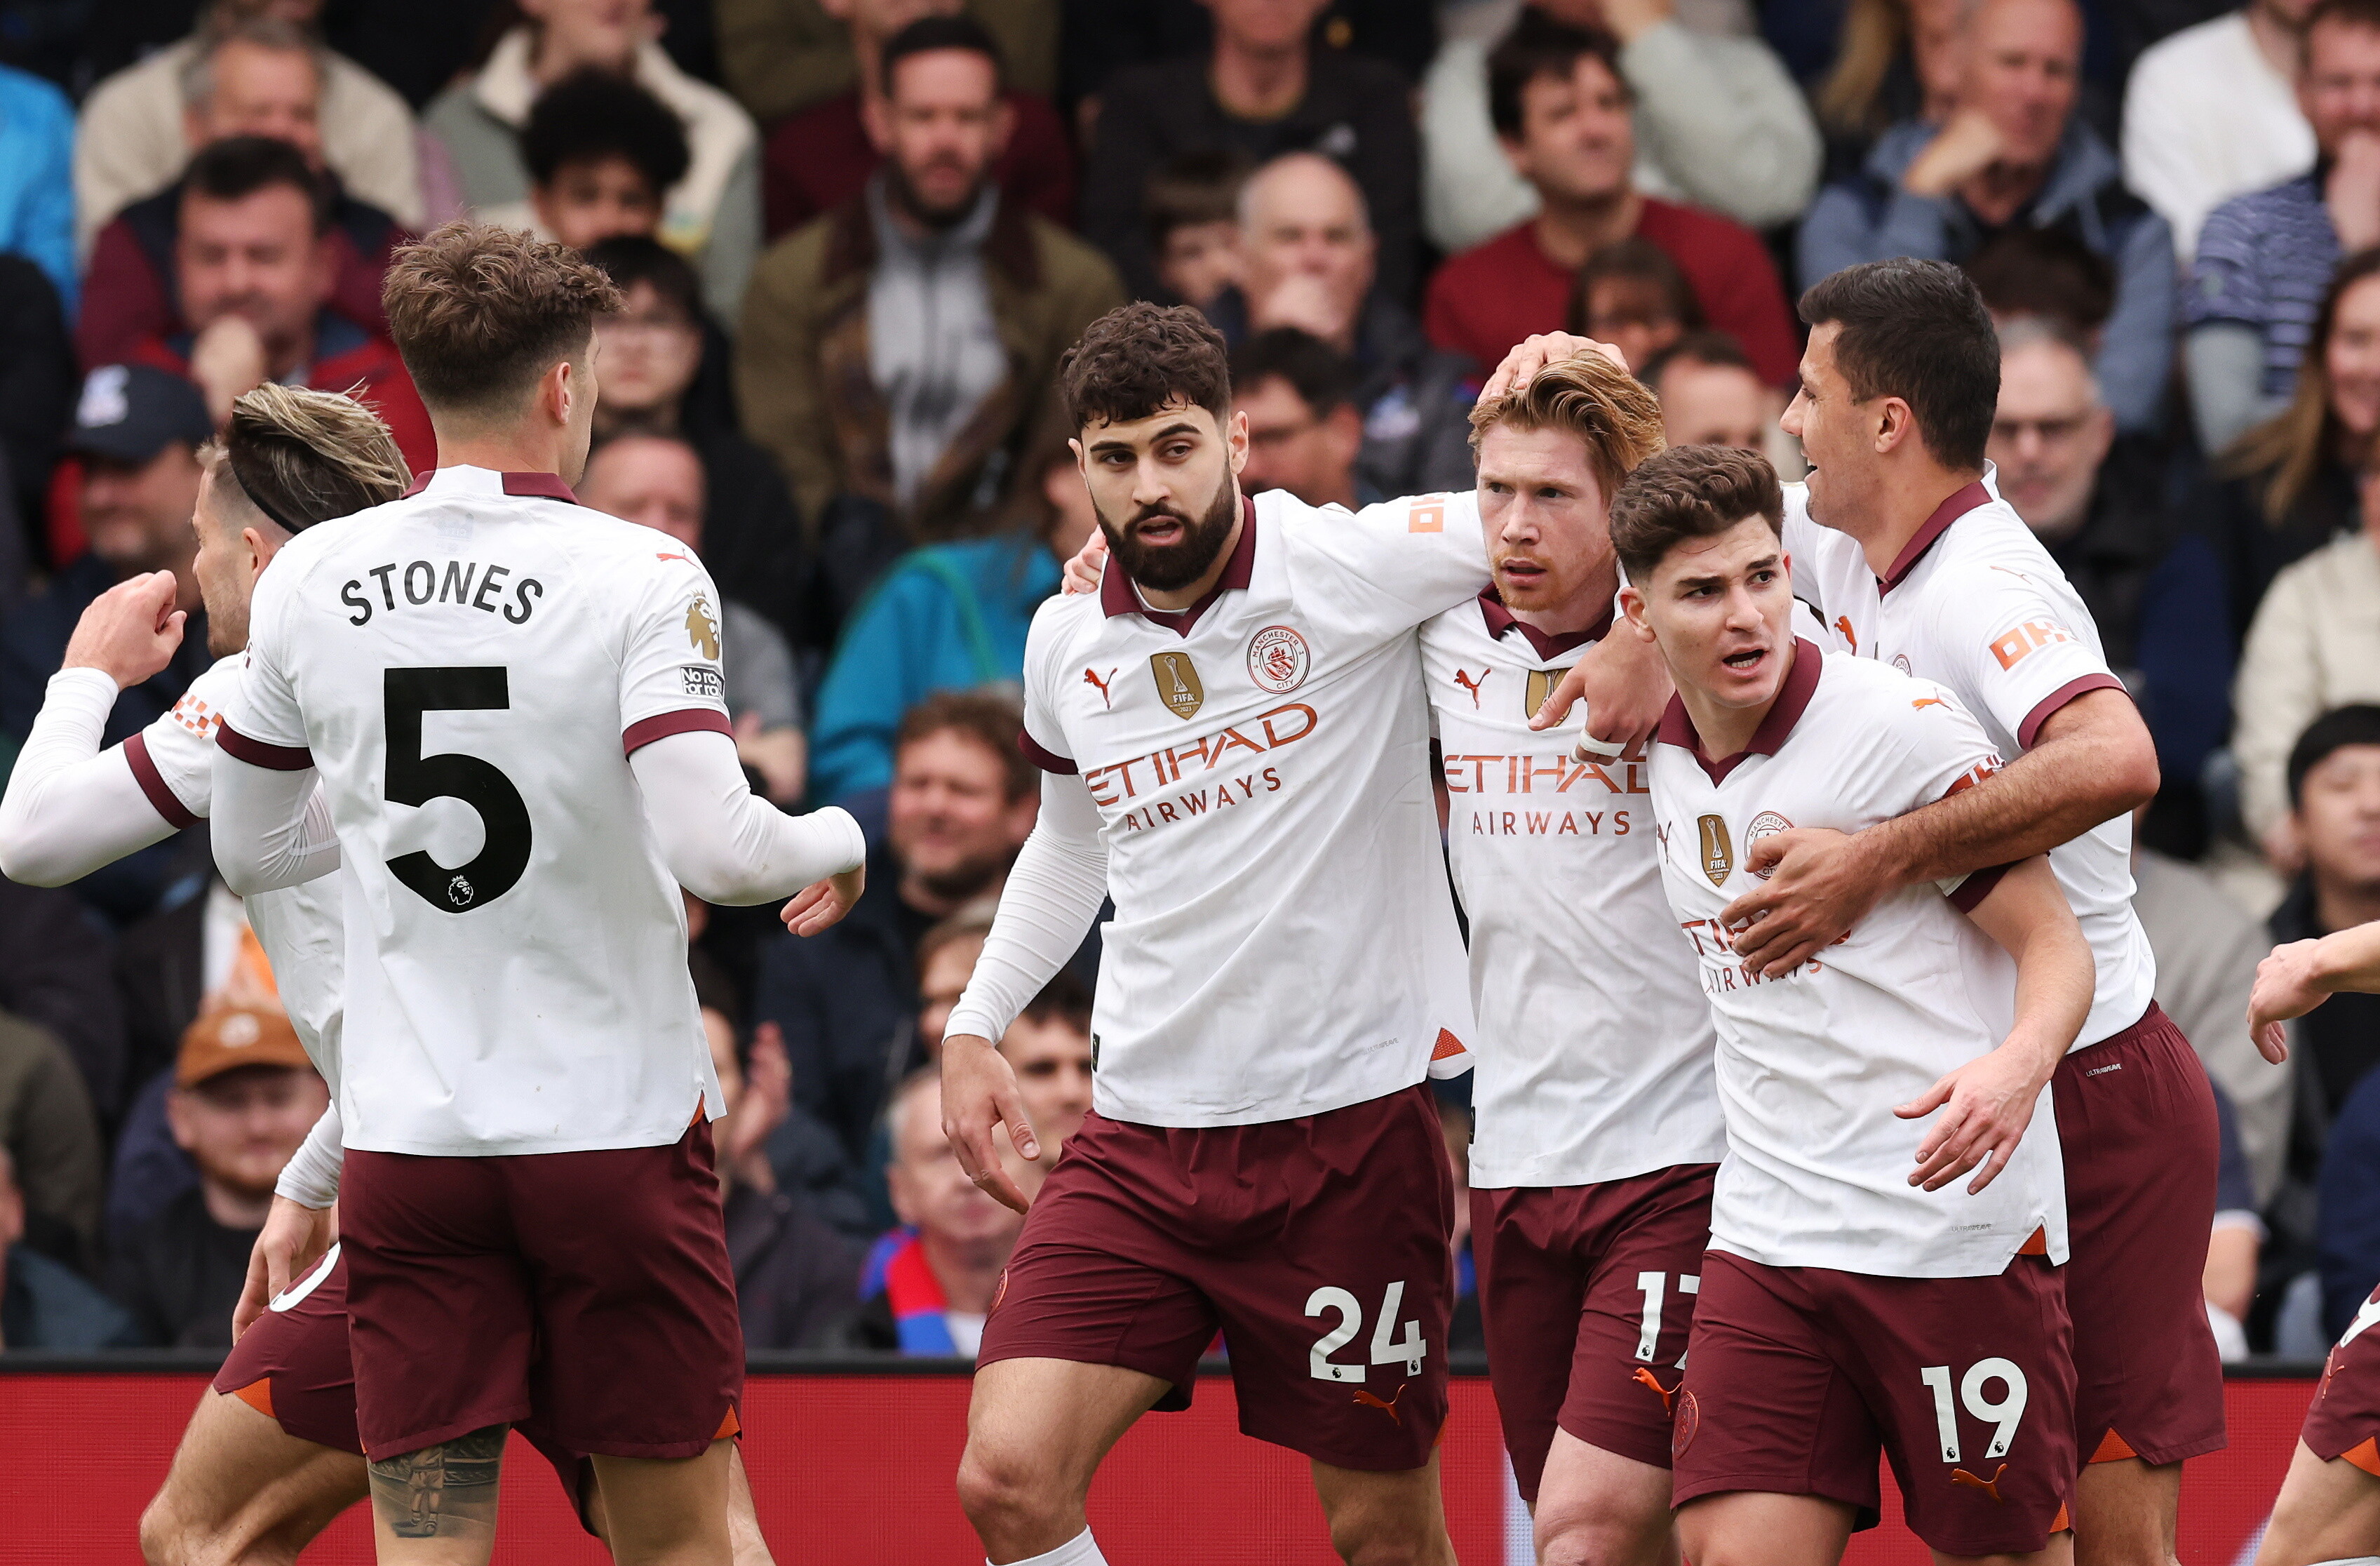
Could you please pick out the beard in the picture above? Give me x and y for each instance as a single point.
(1168, 567)
(905, 196)
(966, 879)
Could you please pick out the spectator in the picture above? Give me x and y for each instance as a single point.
(1559, 106)
(1631, 294)
(2333, 793)
(902, 349)
(1718, 122)
(822, 156)
(262, 79)
(1193, 208)
(1709, 395)
(2263, 259)
(2014, 153)
(2236, 1239)
(1099, 40)
(2292, 480)
(43, 1305)
(962, 801)
(253, 266)
(2208, 949)
(47, 1127)
(37, 128)
(139, 125)
(137, 430)
(1049, 1048)
(797, 1280)
(37, 378)
(781, 56)
(601, 153)
(930, 1284)
(712, 215)
(946, 957)
(665, 371)
(57, 974)
(657, 480)
(1263, 90)
(2312, 642)
(2211, 112)
(950, 616)
(2046, 272)
(2096, 504)
(244, 1098)
(1894, 60)
(1297, 395)
(1307, 252)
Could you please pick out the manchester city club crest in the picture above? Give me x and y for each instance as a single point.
(1718, 852)
(1177, 683)
(1278, 659)
(1768, 823)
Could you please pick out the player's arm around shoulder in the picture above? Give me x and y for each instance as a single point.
(1401, 560)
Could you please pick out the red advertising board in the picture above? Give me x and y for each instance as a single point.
(855, 1470)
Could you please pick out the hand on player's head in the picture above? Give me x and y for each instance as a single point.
(129, 632)
(1534, 353)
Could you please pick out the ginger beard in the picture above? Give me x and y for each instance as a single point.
(1182, 549)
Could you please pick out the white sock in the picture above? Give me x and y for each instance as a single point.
(1080, 1551)
(2350, 1561)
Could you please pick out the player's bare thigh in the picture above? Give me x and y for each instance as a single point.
(2125, 1513)
(1597, 1508)
(244, 1489)
(1396, 1518)
(746, 1543)
(1036, 1429)
(2328, 1511)
(670, 1511)
(1760, 1528)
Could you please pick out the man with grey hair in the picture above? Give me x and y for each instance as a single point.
(132, 138)
(1310, 260)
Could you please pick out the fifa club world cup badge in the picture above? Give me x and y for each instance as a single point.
(1177, 683)
(1717, 851)
(1541, 684)
(1278, 659)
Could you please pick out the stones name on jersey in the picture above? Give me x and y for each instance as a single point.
(419, 583)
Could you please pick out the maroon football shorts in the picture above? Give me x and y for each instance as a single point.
(292, 1362)
(1586, 1292)
(2136, 1120)
(1796, 1376)
(2344, 1418)
(1320, 1246)
(587, 1296)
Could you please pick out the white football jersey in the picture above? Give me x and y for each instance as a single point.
(1976, 603)
(468, 668)
(299, 927)
(1285, 942)
(1810, 1066)
(1594, 1045)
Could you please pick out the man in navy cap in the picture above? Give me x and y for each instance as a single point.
(137, 430)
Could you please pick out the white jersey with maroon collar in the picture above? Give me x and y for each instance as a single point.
(1974, 602)
(299, 927)
(1810, 1065)
(1594, 1047)
(1285, 942)
(468, 668)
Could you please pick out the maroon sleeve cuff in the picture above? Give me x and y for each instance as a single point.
(685, 721)
(1040, 756)
(256, 753)
(1977, 887)
(153, 783)
(2058, 698)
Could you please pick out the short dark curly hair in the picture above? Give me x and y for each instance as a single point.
(591, 114)
(1690, 492)
(479, 313)
(1141, 358)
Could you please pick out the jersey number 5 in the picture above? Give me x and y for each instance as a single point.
(1408, 1351)
(412, 778)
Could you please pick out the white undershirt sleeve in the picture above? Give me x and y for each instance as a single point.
(272, 827)
(723, 842)
(1045, 908)
(71, 807)
(310, 1178)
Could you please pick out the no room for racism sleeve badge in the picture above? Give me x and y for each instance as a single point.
(1177, 683)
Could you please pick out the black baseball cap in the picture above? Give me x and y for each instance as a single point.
(130, 412)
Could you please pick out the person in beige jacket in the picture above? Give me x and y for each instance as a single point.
(2314, 645)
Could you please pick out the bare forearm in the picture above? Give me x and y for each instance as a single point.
(2050, 795)
(2348, 960)
(2055, 980)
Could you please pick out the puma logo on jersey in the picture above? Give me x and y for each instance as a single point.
(1463, 679)
(1648, 1379)
(701, 629)
(1851, 637)
(1924, 701)
(1990, 1487)
(687, 558)
(1093, 678)
(1385, 1406)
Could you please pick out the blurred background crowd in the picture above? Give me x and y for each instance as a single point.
(856, 236)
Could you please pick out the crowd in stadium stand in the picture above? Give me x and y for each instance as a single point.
(855, 238)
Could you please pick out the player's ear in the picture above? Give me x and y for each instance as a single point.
(1632, 607)
(1235, 440)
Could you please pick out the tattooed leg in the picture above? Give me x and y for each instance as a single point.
(444, 1492)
